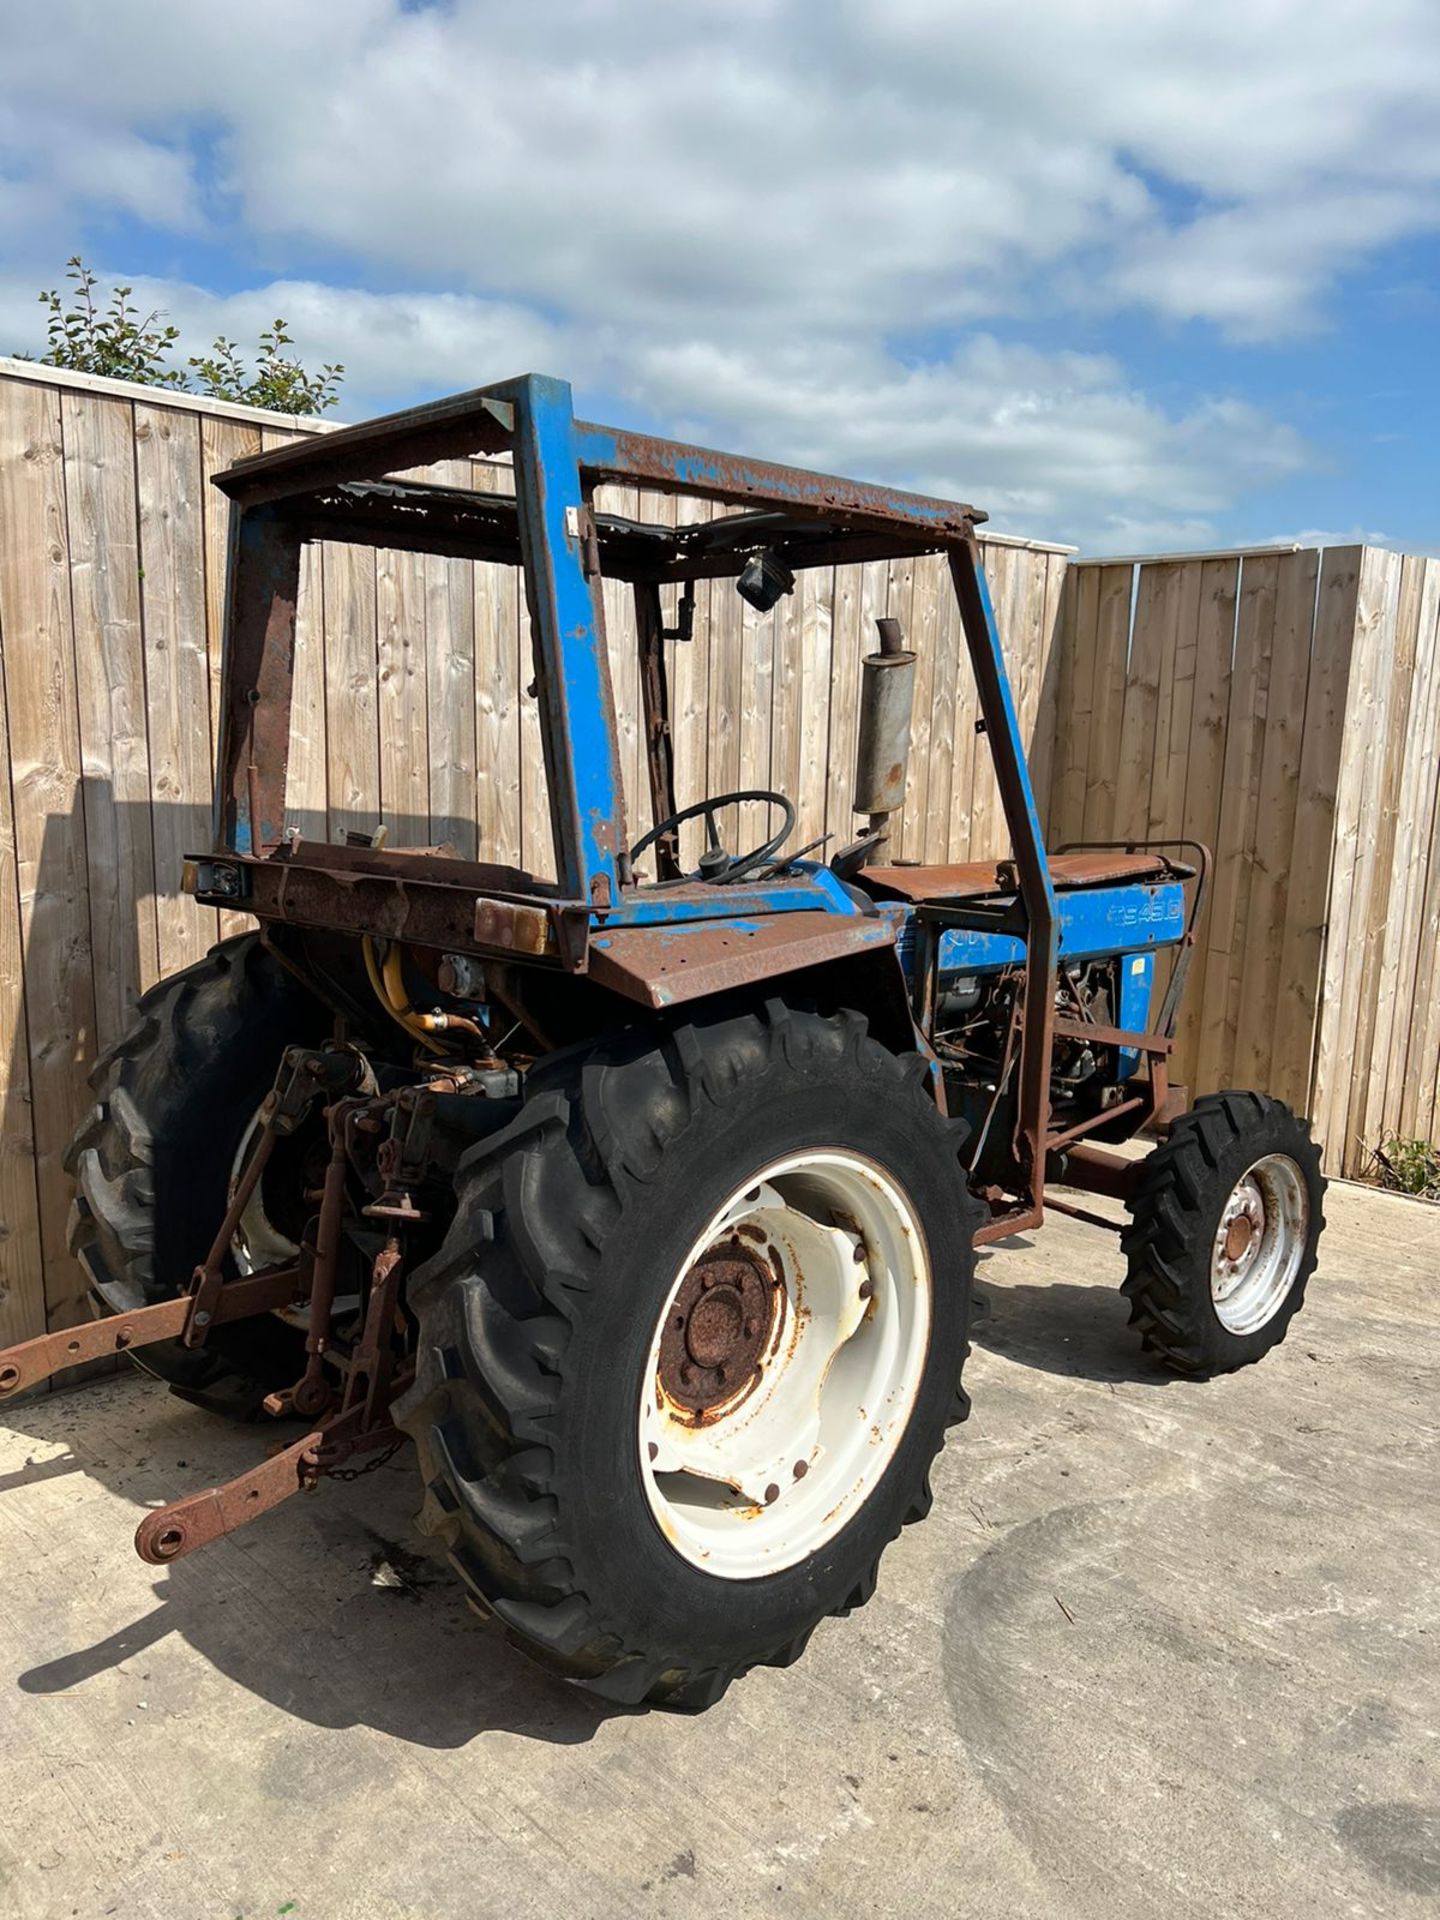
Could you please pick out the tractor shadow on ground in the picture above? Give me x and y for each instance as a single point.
(332, 1607)
(1075, 1331)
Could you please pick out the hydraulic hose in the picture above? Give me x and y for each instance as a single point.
(389, 986)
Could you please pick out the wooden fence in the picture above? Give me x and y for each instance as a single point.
(412, 706)
(1285, 709)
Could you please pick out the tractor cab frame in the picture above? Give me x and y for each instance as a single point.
(675, 939)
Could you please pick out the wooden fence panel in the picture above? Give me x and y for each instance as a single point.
(1283, 707)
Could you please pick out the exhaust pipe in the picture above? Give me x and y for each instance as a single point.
(882, 750)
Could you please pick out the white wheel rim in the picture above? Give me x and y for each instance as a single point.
(754, 1482)
(1259, 1243)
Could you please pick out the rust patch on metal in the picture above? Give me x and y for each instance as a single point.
(719, 1326)
(1237, 1239)
(662, 967)
(977, 879)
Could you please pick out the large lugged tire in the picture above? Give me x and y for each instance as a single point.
(1226, 1221)
(664, 1208)
(153, 1159)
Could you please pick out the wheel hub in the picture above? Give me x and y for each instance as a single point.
(719, 1325)
(1238, 1236)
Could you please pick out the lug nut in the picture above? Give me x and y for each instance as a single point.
(802, 1467)
(858, 1254)
(867, 1287)
(772, 1494)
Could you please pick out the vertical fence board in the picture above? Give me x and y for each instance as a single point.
(1204, 779)
(1298, 992)
(22, 1271)
(1079, 609)
(1350, 934)
(307, 768)
(352, 730)
(49, 831)
(847, 646)
(815, 590)
(1263, 934)
(728, 673)
(110, 699)
(1374, 1005)
(947, 648)
(689, 666)
(172, 597)
(1415, 1067)
(449, 664)
(921, 828)
(1239, 802)
(401, 697)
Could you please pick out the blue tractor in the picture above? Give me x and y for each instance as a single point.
(643, 1200)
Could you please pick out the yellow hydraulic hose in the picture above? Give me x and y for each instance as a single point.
(390, 992)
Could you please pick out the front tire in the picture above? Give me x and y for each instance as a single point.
(1226, 1221)
(581, 1418)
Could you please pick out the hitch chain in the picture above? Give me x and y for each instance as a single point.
(370, 1466)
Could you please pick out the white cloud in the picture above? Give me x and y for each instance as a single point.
(798, 226)
(778, 162)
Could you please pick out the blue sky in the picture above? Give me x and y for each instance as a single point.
(1143, 277)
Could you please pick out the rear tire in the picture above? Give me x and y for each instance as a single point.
(152, 1161)
(540, 1320)
(1226, 1222)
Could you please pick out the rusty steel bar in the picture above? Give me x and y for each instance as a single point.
(209, 1278)
(659, 743)
(1092, 1169)
(464, 423)
(311, 1392)
(1055, 1142)
(32, 1361)
(177, 1529)
(1016, 1220)
(1151, 1043)
(261, 596)
(1037, 893)
(1083, 1213)
(608, 453)
(367, 1383)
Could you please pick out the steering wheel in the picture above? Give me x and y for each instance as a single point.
(716, 865)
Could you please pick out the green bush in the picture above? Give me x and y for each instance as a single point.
(114, 339)
(1407, 1166)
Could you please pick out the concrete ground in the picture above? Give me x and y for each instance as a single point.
(1163, 1648)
